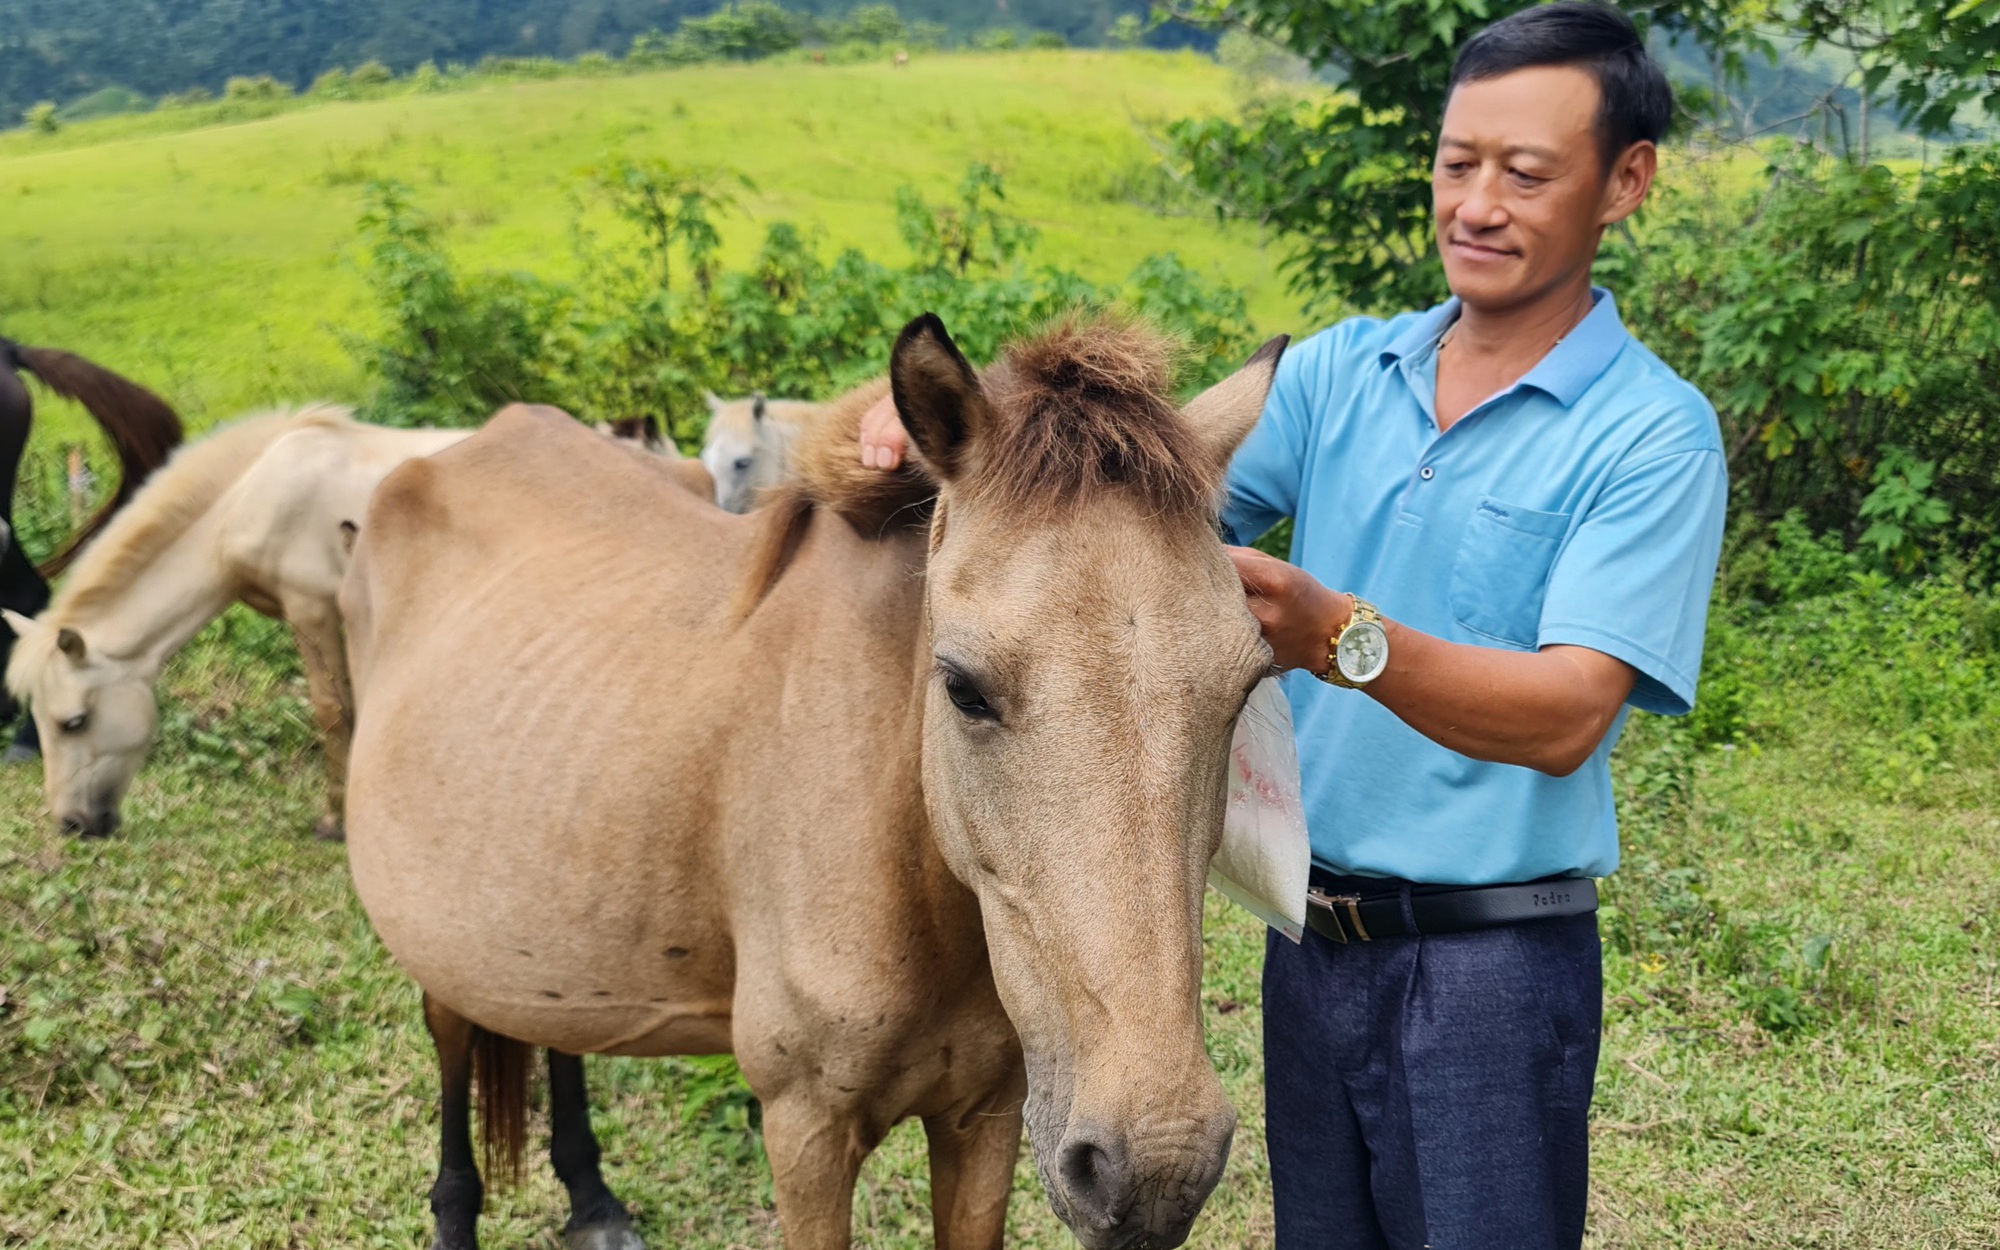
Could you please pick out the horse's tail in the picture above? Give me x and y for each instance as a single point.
(143, 429)
(501, 1067)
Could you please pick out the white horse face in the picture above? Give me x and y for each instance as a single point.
(96, 715)
(731, 459)
(737, 452)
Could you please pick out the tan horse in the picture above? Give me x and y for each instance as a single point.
(252, 514)
(748, 446)
(902, 789)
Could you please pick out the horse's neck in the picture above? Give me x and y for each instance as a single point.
(167, 602)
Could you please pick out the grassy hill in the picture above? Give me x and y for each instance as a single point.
(218, 264)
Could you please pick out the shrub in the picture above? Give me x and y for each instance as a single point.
(334, 84)
(261, 87)
(426, 78)
(1047, 39)
(1129, 31)
(996, 39)
(190, 98)
(42, 118)
(873, 23)
(370, 74)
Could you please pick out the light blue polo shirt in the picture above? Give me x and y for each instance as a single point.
(1584, 505)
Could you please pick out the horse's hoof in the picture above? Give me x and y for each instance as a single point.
(330, 830)
(18, 754)
(603, 1237)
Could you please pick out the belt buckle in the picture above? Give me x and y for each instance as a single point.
(1334, 905)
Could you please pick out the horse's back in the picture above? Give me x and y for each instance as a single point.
(523, 613)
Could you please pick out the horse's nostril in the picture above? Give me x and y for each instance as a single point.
(1100, 1189)
(74, 825)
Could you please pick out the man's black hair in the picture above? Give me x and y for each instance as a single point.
(1636, 101)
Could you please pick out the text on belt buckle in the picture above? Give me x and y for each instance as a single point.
(1336, 904)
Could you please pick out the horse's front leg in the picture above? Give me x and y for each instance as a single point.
(597, 1220)
(816, 1148)
(317, 630)
(973, 1151)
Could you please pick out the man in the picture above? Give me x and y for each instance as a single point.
(1522, 509)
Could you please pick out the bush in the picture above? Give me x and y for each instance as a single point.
(190, 98)
(1047, 39)
(873, 23)
(654, 319)
(42, 118)
(1129, 31)
(426, 78)
(996, 39)
(371, 74)
(259, 88)
(334, 84)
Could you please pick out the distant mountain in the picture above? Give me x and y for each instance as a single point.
(62, 50)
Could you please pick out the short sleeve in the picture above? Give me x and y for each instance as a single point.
(1634, 579)
(1264, 477)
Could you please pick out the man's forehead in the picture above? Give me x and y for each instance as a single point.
(1544, 110)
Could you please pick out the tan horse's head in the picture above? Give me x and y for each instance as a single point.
(95, 714)
(1090, 650)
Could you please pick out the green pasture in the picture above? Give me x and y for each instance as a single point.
(203, 1044)
(219, 263)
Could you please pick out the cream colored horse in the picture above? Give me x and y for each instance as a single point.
(252, 513)
(903, 789)
(748, 446)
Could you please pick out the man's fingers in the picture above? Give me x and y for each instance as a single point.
(882, 436)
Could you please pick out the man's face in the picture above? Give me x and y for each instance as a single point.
(1519, 187)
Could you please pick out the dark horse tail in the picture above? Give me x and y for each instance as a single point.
(143, 429)
(501, 1068)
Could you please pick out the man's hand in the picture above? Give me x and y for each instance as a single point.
(1298, 615)
(883, 440)
(1546, 709)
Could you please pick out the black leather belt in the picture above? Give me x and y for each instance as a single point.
(1408, 910)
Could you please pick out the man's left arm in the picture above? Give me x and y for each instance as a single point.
(1622, 620)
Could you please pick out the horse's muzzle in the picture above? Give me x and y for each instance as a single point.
(1118, 1203)
(101, 825)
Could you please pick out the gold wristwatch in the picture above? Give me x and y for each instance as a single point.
(1360, 651)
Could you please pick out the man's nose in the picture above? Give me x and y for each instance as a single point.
(1482, 208)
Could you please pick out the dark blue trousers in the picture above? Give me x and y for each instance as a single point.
(1433, 1093)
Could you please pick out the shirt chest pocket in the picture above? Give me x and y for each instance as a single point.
(1501, 574)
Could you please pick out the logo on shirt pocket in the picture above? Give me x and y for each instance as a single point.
(1501, 574)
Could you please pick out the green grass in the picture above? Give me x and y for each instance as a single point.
(219, 263)
(202, 1043)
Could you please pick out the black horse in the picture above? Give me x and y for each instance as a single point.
(143, 430)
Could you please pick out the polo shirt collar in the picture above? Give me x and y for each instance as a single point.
(1563, 375)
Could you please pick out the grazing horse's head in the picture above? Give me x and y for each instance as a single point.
(95, 714)
(1090, 649)
(738, 438)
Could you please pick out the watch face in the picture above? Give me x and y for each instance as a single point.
(1363, 651)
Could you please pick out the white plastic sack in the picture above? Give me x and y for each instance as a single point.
(1265, 859)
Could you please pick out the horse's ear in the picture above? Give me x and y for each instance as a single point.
(1224, 414)
(713, 400)
(22, 626)
(70, 643)
(937, 395)
(757, 406)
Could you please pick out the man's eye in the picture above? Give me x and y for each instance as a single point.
(1527, 179)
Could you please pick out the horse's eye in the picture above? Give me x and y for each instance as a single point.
(75, 724)
(743, 465)
(966, 698)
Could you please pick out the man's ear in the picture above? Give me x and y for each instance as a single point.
(937, 396)
(1630, 181)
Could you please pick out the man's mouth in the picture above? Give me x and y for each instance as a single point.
(1479, 251)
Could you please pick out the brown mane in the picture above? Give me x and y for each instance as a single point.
(1082, 408)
